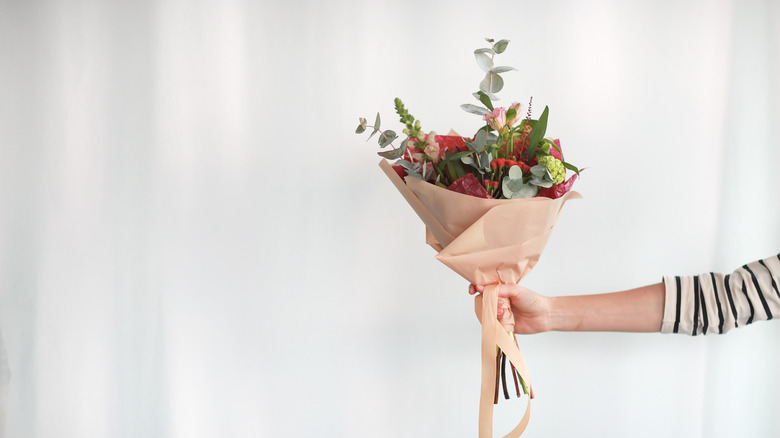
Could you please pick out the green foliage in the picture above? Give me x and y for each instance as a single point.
(507, 139)
(571, 167)
(540, 176)
(500, 46)
(513, 187)
(492, 83)
(386, 138)
(474, 109)
(485, 99)
(394, 154)
(537, 132)
(361, 126)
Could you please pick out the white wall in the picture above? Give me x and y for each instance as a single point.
(195, 244)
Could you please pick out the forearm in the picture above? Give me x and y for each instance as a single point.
(636, 310)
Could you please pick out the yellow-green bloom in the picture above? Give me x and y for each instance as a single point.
(554, 165)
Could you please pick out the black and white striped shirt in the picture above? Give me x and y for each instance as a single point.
(716, 303)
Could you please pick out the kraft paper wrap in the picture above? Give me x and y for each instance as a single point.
(488, 242)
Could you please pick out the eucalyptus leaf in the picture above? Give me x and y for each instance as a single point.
(480, 140)
(414, 174)
(469, 161)
(392, 154)
(515, 172)
(484, 61)
(485, 158)
(386, 138)
(360, 129)
(541, 182)
(514, 185)
(528, 191)
(539, 170)
(492, 96)
(492, 83)
(473, 109)
(502, 69)
(485, 50)
(405, 164)
(500, 46)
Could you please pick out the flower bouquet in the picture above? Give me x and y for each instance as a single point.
(489, 203)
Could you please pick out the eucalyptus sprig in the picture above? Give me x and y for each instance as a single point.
(492, 83)
(386, 138)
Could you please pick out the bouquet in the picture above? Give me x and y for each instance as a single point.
(489, 203)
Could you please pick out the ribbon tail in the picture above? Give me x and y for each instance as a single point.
(493, 334)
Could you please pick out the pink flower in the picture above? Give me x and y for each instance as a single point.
(515, 106)
(496, 118)
(432, 149)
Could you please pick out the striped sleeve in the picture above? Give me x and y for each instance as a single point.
(715, 303)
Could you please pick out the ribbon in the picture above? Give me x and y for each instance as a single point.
(495, 335)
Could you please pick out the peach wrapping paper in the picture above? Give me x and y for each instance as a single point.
(488, 242)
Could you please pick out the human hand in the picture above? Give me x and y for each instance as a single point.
(530, 310)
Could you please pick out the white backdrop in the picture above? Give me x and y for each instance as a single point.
(195, 244)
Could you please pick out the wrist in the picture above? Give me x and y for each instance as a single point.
(561, 315)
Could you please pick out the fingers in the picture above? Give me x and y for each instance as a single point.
(509, 290)
(474, 289)
(478, 305)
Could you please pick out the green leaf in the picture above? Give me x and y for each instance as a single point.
(514, 185)
(537, 133)
(541, 182)
(405, 164)
(480, 140)
(484, 99)
(386, 138)
(360, 129)
(485, 51)
(392, 154)
(500, 46)
(456, 156)
(492, 83)
(570, 167)
(502, 69)
(539, 170)
(492, 97)
(376, 127)
(515, 172)
(484, 61)
(490, 40)
(473, 109)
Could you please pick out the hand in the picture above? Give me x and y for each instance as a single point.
(530, 310)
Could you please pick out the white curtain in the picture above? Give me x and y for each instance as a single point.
(195, 244)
